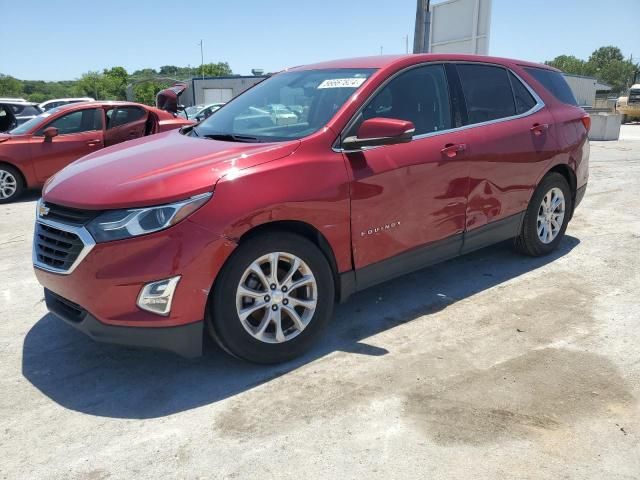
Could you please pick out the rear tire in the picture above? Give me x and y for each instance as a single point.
(266, 318)
(546, 218)
(11, 184)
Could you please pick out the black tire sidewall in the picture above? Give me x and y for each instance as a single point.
(223, 319)
(530, 226)
(19, 183)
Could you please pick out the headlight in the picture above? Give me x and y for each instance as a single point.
(119, 224)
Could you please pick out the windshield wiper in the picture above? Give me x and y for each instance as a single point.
(228, 137)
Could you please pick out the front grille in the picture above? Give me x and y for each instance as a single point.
(67, 215)
(55, 248)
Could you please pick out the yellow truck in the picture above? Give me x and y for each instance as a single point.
(629, 106)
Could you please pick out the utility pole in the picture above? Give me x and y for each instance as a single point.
(423, 27)
(406, 44)
(380, 49)
(201, 60)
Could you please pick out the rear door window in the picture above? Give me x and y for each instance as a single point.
(419, 95)
(487, 92)
(555, 83)
(124, 115)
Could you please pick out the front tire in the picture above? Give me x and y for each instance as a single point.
(546, 218)
(272, 298)
(11, 184)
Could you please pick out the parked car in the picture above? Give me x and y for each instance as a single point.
(16, 112)
(252, 233)
(35, 150)
(200, 112)
(629, 105)
(265, 116)
(58, 102)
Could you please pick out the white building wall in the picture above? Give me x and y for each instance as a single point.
(583, 88)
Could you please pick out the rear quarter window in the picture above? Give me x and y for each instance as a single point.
(524, 99)
(555, 83)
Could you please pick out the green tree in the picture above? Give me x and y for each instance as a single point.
(145, 72)
(168, 70)
(145, 92)
(569, 64)
(10, 87)
(604, 56)
(607, 64)
(219, 69)
(116, 80)
(92, 84)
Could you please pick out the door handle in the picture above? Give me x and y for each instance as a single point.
(93, 143)
(539, 128)
(452, 151)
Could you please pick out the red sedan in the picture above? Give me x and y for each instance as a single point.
(35, 150)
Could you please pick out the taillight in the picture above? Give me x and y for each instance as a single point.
(586, 121)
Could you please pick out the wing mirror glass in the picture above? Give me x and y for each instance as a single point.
(49, 133)
(380, 131)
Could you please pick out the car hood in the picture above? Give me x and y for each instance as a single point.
(155, 170)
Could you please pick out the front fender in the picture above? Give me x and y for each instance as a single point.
(295, 188)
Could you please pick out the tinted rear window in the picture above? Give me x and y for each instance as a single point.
(555, 83)
(487, 92)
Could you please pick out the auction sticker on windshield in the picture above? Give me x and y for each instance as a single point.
(342, 83)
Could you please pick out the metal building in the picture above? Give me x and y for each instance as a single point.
(585, 88)
(217, 89)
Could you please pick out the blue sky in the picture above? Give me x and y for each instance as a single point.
(57, 40)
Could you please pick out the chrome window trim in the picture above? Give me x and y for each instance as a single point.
(81, 232)
(536, 108)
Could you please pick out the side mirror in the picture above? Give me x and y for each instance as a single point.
(380, 131)
(49, 133)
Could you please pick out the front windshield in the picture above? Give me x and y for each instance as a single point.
(34, 122)
(287, 106)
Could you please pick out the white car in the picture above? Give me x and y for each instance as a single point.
(200, 112)
(14, 113)
(57, 102)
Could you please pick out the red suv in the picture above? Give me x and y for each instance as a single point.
(251, 225)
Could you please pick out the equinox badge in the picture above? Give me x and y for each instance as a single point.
(374, 230)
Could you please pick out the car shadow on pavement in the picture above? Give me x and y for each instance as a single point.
(29, 196)
(120, 382)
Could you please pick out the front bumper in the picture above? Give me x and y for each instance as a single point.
(107, 282)
(185, 340)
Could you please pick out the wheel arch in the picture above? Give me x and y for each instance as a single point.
(305, 230)
(570, 176)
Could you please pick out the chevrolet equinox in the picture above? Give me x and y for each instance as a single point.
(250, 225)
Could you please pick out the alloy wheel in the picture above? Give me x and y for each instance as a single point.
(276, 297)
(551, 215)
(8, 184)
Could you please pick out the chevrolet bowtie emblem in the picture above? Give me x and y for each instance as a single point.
(43, 210)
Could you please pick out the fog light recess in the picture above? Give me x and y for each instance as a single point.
(156, 297)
